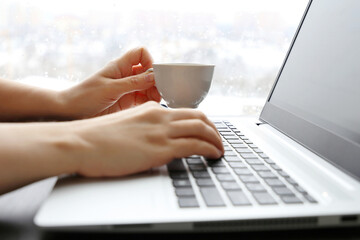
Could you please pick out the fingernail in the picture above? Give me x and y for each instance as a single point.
(220, 153)
(149, 70)
(149, 77)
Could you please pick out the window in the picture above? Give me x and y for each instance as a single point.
(68, 40)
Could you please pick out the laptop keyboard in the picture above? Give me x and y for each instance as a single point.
(245, 176)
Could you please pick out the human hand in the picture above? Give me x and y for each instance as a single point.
(122, 84)
(138, 139)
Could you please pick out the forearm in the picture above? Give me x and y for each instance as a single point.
(22, 102)
(34, 151)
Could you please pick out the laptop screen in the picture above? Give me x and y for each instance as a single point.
(317, 93)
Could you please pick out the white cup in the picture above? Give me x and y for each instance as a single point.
(183, 84)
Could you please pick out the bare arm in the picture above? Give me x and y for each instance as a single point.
(118, 144)
(121, 84)
(22, 102)
(33, 151)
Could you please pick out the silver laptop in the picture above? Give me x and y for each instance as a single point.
(296, 166)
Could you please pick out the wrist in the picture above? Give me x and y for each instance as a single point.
(68, 147)
(33, 151)
(71, 101)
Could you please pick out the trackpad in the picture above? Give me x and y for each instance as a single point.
(77, 200)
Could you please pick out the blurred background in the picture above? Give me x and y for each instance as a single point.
(57, 43)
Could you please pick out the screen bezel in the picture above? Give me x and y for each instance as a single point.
(334, 148)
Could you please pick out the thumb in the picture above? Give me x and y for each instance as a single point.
(134, 83)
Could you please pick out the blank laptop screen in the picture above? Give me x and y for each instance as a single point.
(319, 84)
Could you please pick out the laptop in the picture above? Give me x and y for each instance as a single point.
(296, 166)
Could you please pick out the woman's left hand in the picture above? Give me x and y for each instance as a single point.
(122, 84)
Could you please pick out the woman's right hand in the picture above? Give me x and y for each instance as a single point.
(140, 138)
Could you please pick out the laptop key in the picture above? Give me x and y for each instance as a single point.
(227, 148)
(269, 161)
(225, 131)
(230, 185)
(194, 161)
(176, 165)
(237, 165)
(185, 202)
(267, 174)
(203, 182)
(184, 192)
(310, 198)
(248, 155)
(248, 179)
(235, 141)
(181, 183)
(283, 174)
(212, 197)
(264, 198)
(232, 158)
(197, 167)
(228, 134)
(242, 171)
(291, 199)
(243, 137)
(253, 146)
(224, 177)
(257, 150)
(179, 175)
(254, 161)
(239, 145)
(300, 189)
(201, 174)
(216, 164)
(238, 198)
(283, 191)
(275, 167)
(274, 182)
(291, 181)
(234, 137)
(239, 134)
(255, 187)
(260, 167)
(217, 170)
(230, 153)
(243, 150)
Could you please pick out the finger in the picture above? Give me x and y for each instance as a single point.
(187, 113)
(184, 147)
(138, 69)
(133, 83)
(140, 98)
(181, 114)
(153, 94)
(195, 128)
(134, 57)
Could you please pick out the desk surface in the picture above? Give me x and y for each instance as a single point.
(17, 210)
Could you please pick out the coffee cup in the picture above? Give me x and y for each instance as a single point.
(183, 85)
